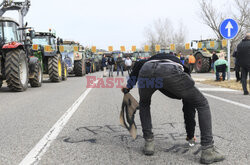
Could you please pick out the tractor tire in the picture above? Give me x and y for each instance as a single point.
(16, 70)
(65, 72)
(38, 76)
(202, 64)
(79, 68)
(55, 68)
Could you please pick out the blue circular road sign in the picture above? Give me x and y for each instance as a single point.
(229, 28)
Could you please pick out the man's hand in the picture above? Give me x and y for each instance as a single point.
(125, 90)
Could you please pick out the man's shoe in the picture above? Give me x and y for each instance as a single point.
(191, 142)
(149, 147)
(210, 155)
(246, 93)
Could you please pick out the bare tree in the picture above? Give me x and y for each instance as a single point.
(212, 17)
(162, 33)
(179, 38)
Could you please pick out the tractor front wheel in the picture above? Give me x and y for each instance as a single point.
(38, 76)
(55, 68)
(16, 70)
(79, 68)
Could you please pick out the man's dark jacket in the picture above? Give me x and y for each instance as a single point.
(111, 61)
(243, 54)
(104, 62)
(119, 61)
(138, 65)
(214, 58)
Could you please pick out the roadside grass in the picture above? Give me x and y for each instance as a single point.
(232, 84)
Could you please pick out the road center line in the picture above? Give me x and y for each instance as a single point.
(34, 156)
(228, 101)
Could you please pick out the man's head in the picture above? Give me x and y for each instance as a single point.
(128, 57)
(214, 52)
(247, 36)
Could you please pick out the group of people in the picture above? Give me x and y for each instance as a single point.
(242, 63)
(110, 63)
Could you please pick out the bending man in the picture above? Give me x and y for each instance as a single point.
(171, 78)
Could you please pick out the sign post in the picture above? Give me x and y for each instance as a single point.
(229, 29)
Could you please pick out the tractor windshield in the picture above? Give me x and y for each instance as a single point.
(10, 32)
(41, 40)
(68, 48)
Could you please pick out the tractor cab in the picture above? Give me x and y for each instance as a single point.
(9, 33)
(45, 41)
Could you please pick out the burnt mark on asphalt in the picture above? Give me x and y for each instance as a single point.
(118, 134)
(69, 140)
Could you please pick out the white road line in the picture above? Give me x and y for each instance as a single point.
(228, 101)
(218, 89)
(34, 156)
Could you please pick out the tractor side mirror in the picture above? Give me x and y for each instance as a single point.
(26, 24)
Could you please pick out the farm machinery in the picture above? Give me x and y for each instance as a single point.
(202, 51)
(73, 57)
(17, 65)
(46, 49)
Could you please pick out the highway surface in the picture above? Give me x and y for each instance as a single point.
(67, 123)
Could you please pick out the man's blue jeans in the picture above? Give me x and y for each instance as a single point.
(119, 67)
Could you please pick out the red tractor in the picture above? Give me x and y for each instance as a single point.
(17, 67)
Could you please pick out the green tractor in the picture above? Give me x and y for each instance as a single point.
(46, 50)
(203, 51)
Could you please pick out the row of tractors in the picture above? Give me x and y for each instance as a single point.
(25, 55)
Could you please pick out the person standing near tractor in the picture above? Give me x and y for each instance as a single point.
(191, 62)
(119, 63)
(111, 63)
(236, 67)
(104, 65)
(243, 57)
(214, 58)
(128, 64)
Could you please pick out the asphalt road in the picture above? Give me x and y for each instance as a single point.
(88, 131)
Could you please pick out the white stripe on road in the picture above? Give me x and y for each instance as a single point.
(218, 89)
(34, 156)
(228, 101)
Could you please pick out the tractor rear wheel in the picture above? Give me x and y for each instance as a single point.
(55, 68)
(202, 64)
(38, 76)
(79, 68)
(16, 70)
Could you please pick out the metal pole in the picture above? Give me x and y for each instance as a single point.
(228, 58)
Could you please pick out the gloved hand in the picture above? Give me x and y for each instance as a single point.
(125, 90)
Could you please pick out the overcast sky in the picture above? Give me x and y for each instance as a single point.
(114, 22)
